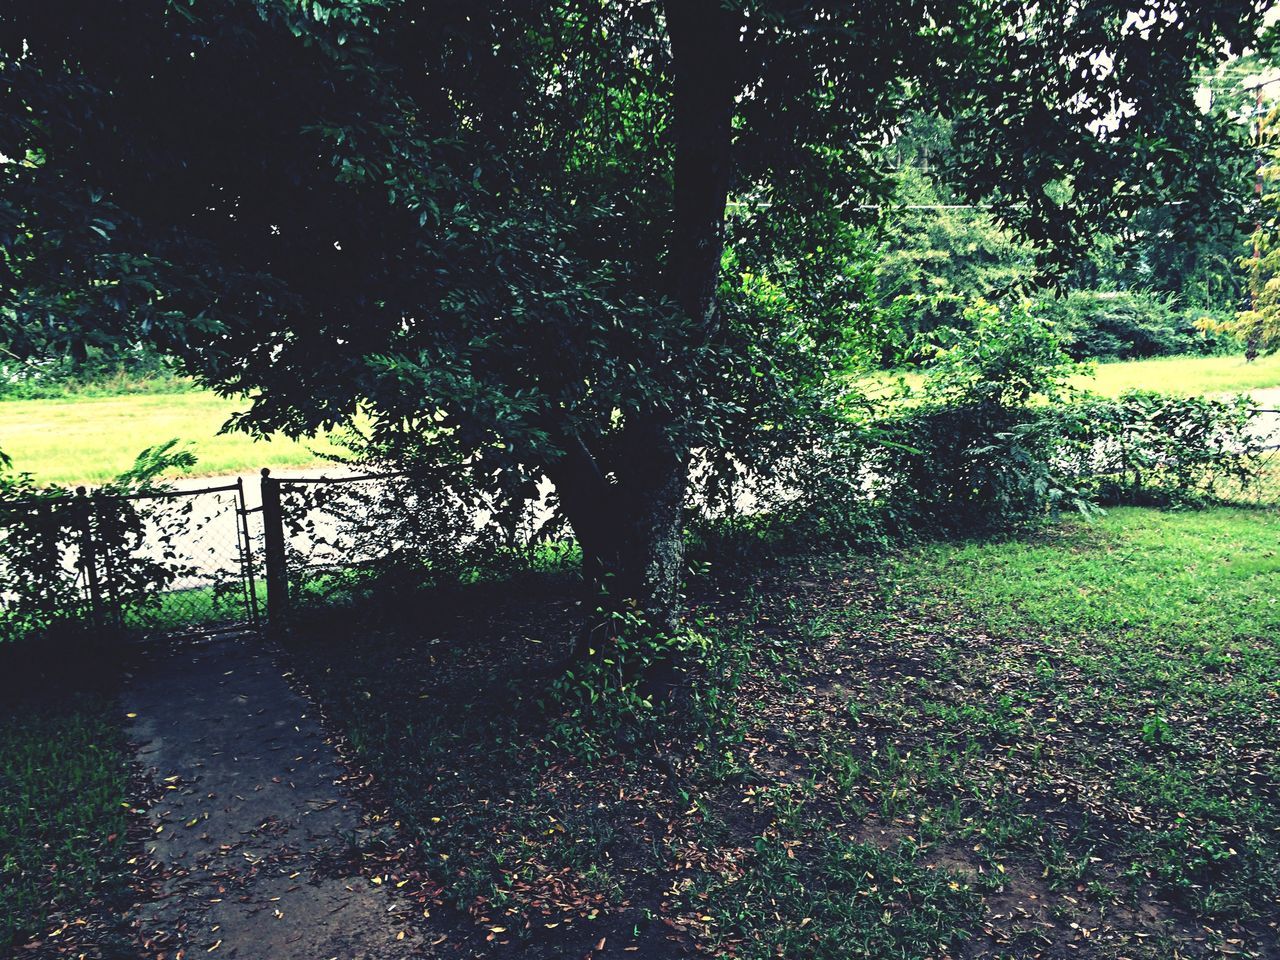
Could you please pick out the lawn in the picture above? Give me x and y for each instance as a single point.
(88, 439)
(1057, 745)
(1126, 672)
(1190, 376)
(64, 820)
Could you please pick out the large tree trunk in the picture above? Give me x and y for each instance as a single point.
(630, 528)
(705, 47)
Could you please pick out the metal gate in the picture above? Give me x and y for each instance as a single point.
(202, 539)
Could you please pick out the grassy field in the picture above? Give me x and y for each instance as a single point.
(87, 438)
(1058, 746)
(92, 439)
(1128, 666)
(1185, 375)
(1189, 376)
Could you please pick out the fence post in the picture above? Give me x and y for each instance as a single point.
(274, 552)
(108, 566)
(88, 555)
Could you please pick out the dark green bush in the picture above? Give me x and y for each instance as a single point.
(1147, 447)
(41, 533)
(98, 371)
(999, 441)
(1128, 324)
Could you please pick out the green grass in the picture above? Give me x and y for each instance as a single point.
(196, 607)
(964, 748)
(1182, 578)
(839, 898)
(64, 787)
(1189, 376)
(90, 440)
(1133, 661)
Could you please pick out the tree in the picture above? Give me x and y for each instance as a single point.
(1157, 250)
(1259, 325)
(941, 252)
(500, 225)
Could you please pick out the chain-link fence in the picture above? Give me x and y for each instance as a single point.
(204, 537)
(152, 562)
(322, 533)
(1223, 451)
(173, 561)
(1265, 432)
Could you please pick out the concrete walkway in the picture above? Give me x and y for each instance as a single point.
(251, 829)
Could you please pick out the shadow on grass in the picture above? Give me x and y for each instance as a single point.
(555, 842)
(65, 791)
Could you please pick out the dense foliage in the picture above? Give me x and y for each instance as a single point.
(1157, 283)
(996, 439)
(939, 252)
(1133, 324)
(131, 368)
(1259, 324)
(43, 562)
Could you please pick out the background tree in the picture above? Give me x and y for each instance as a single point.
(941, 252)
(500, 226)
(1141, 290)
(1258, 325)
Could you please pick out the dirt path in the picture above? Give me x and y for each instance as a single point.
(251, 828)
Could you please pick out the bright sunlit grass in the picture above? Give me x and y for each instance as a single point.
(90, 440)
(1185, 375)
(1189, 376)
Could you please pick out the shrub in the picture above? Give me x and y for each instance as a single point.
(415, 517)
(976, 468)
(41, 531)
(1149, 447)
(137, 368)
(972, 469)
(1005, 357)
(974, 456)
(1130, 324)
(984, 451)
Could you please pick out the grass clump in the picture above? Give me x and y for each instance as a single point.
(827, 897)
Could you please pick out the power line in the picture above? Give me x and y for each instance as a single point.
(892, 208)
